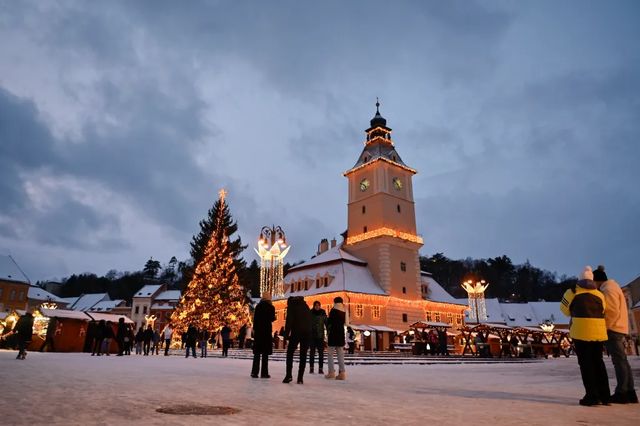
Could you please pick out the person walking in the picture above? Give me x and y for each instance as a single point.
(318, 323)
(190, 340)
(121, 336)
(225, 335)
(24, 331)
(350, 337)
(263, 317)
(241, 335)
(167, 332)
(129, 339)
(204, 341)
(336, 339)
(108, 337)
(147, 337)
(617, 320)
(297, 331)
(155, 348)
(586, 307)
(98, 338)
(139, 339)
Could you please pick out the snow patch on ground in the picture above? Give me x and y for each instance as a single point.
(58, 388)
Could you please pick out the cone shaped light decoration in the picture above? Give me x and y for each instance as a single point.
(272, 249)
(477, 306)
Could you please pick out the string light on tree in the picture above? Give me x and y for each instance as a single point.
(477, 306)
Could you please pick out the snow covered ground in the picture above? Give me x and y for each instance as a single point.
(56, 388)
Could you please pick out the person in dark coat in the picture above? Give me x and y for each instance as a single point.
(147, 338)
(336, 339)
(442, 342)
(98, 337)
(318, 323)
(204, 341)
(225, 335)
(108, 336)
(297, 331)
(190, 340)
(121, 335)
(241, 336)
(24, 331)
(139, 339)
(263, 317)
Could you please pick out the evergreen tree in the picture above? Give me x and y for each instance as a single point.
(214, 296)
(207, 227)
(151, 268)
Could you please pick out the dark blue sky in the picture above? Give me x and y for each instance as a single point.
(119, 121)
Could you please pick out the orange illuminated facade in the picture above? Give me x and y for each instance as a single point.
(376, 270)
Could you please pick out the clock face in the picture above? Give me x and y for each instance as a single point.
(397, 183)
(364, 184)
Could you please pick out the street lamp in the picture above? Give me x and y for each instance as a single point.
(475, 291)
(272, 248)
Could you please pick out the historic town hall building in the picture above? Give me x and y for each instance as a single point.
(376, 269)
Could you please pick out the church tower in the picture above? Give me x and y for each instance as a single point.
(381, 214)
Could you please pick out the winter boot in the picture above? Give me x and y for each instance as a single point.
(341, 376)
(311, 370)
(619, 398)
(287, 379)
(632, 397)
(320, 371)
(330, 376)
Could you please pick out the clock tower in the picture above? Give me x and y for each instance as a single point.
(381, 214)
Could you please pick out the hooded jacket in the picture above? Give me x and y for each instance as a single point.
(318, 321)
(615, 313)
(298, 322)
(586, 307)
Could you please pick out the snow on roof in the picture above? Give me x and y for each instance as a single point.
(435, 292)
(341, 276)
(88, 301)
(37, 293)
(106, 305)
(69, 300)
(10, 271)
(549, 312)
(333, 254)
(64, 313)
(148, 291)
(518, 314)
(97, 316)
(494, 312)
(161, 306)
(169, 295)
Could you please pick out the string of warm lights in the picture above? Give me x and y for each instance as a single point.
(373, 161)
(388, 232)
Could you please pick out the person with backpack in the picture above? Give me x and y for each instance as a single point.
(586, 307)
(336, 339)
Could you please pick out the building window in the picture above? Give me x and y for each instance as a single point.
(326, 282)
(364, 209)
(449, 317)
(404, 290)
(144, 309)
(1, 291)
(21, 295)
(317, 284)
(364, 229)
(429, 317)
(437, 316)
(458, 319)
(403, 267)
(398, 208)
(375, 312)
(359, 310)
(12, 294)
(137, 309)
(405, 318)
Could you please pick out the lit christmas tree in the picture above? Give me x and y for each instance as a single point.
(214, 297)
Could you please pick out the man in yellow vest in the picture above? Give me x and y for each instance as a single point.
(586, 307)
(617, 319)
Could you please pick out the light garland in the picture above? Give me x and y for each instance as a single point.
(409, 169)
(387, 232)
(384, 140)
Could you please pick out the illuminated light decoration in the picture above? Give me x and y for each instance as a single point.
(272, 249)
(367, 333)
(547, 327)
(49, 305)
(373, 161)
(150, 320)
(477, 306)
(373, 129)
(382, 139)
(206, 315)
(385, 232)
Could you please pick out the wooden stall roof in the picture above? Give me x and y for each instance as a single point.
(65, 313)
(97, 316)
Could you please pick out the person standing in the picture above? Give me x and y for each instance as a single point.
(108, 337)
(318, 323)
(247, 337)
(190, 340)
(156, 342)
(241, 335)
(443, 344)
(167, 332)
(586, 307)
(204, 341)
(147, 337)
(24, 331)
(98, 338)
(225, 335)
(617, 320)
(139, 339)
(336, 339)
(351, 343)
(297, 331)
(263, 317)
(121, 336)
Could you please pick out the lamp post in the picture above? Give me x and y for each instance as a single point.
(475, 291)
(272, 249)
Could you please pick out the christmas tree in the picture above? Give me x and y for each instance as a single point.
(214, 296)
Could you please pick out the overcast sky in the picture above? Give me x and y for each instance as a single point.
(119, 122)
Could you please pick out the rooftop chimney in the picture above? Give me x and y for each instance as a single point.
(323, 246)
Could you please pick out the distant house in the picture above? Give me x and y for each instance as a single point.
(14, 285)
(631, 292)
(529, 314)
(152, 300)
